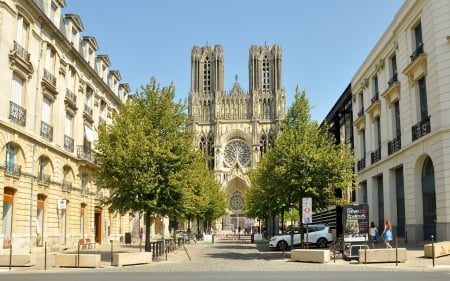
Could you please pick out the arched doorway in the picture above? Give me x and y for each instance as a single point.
(428, 200)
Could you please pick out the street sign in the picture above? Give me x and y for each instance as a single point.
(306, 210)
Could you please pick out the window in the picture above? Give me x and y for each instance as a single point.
(39, 219)
(207, 75)
(417, 41)
(266, 74)
(393, 70)
(361, 104)
(377, 127)
(423, 106)
(22, 32)
(42, 167)
(397, 127)
(375, 89)
(380, 191)
(10, 158)
(53, 13)
(46, 128)
(16, 90)
(50, 60)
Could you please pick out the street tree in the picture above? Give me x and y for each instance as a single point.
(141, 151)
(304, 162)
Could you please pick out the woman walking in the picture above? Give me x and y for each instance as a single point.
(387, 234)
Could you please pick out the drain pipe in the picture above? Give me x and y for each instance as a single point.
(33, 149)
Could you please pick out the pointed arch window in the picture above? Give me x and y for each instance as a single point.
(207, 75)
(266, 74)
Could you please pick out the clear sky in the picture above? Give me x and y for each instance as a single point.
(324, 42)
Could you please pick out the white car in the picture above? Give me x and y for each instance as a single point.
(319, 235)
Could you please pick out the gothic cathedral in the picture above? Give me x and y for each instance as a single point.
(235, 128)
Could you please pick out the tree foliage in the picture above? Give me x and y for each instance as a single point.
(305, 162)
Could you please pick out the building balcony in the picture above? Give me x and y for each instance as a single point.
(417, 68)
(71, 99)
(361, 165)
(394, 145)
(49, 78)
(68, 143)
(375, 156)
(88, 113)
(12, 169)
(85, 153)
(374, 110)
(417, 52)
(46, 131)
(84, 191)
(66, 186)
(20, 59)
(392, 93)
(360, 122)
(17, 114)
(44, 179)
(421, 129)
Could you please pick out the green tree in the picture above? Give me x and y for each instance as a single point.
(147, 144)
(305, 162)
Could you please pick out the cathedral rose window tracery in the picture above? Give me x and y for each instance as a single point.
(237, 152)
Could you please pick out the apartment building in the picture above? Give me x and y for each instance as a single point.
(55, 91)
(401, 109)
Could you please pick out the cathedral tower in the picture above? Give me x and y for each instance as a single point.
(235, 128)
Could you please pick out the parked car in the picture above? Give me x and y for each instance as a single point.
(319, 235)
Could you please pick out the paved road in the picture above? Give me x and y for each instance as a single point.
(235, 256)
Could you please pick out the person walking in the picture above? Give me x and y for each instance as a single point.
(373, 233)
(387, 234)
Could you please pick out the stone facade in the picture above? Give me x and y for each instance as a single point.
(235, 128)
(56, 91)
(401, 104)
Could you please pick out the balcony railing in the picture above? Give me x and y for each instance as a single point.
(361, 112)
(46, 131)
(12, 169)
(393, 79)
(375, 156)
(84, 191)
(394, 145)
(17, 114)
(99, 195)
(361, 164)
(85, 153)
(421, 129)
(88, 109)
(21, 52)
(71, 96)
(68, 143)
(49, 77)
(375, 98)
(417, 52)
(44, 178)
(66, 186)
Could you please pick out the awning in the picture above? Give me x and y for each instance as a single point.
(89, 133)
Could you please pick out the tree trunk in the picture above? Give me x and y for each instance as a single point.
(147, 232)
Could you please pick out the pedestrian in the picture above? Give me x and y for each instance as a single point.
(387, 234)
(373, 233)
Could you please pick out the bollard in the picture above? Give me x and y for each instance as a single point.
(45, 256)
(396, 250)
(112, 251)
(432, 248)
(10, 256)
(78, 255)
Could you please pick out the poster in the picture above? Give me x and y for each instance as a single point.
(356, 222)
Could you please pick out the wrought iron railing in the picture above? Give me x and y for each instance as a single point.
(394, 145)
(85, 153)
(21, 52)
(88, 109)
(421, 129)
(44, 178)
(68, 143)
(375, 156)
(49, 77)
(46, 131)
(361, 164)
(393, 79)
(71, 96)
(67, 186)
(417, 52)
(17, 114)
(12, 169)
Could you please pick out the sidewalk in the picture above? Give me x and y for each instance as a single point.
(237, 256)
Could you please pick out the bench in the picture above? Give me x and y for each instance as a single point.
(18, 260)
(70, 260)
(310, 255)
(131, 258)
(382, 255)
(440, 249)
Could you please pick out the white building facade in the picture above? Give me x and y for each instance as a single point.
(401, 109)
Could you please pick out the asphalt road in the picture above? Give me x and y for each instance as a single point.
(230, 275)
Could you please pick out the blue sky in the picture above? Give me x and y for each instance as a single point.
(323, 41)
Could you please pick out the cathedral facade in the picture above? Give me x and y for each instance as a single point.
(236, 127)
